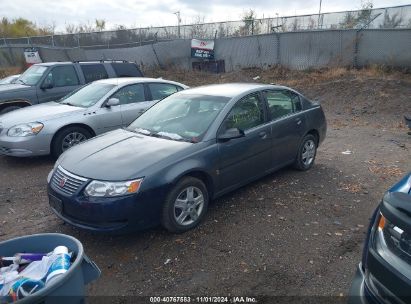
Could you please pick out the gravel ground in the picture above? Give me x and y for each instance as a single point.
(290, 233)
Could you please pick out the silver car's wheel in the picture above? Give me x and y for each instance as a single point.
(188, 206)
(67, 138)
(308, 153)
(185, 205)
(72, 139)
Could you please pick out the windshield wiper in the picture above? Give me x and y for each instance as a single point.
(68, 103)
(21, 81)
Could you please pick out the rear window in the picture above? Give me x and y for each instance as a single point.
(94, 72)
(126, 69)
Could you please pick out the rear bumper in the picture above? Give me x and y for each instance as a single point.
(25, 146)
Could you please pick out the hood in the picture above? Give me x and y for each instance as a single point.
(40, 113)
(13, 87)
(119, 155)
(404, 185)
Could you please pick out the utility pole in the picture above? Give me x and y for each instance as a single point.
(319, 14)
(178, 22)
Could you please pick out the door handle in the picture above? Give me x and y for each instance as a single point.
(262, 134)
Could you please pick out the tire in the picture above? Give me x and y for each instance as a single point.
(9, 109)
(61, 142)
(176, 217)
(306, 153)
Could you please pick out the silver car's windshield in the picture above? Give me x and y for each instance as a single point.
(32, 75)
(180, 117)
(88, 95)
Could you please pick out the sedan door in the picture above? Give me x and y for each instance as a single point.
(133, 102)
(59, 81)
(105, 118)
(246, 158)
(288, 125)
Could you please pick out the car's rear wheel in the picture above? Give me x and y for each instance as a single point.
(185, 206)
(306, 153)
(67, 138)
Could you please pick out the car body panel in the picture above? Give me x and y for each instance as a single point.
(55, 116)
(384, 276)
(223, 165)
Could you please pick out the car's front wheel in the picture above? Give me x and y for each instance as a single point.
(67, 138)
(306, 153)
(185, 206)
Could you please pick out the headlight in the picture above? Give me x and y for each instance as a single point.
(109, 189)
(28, 129)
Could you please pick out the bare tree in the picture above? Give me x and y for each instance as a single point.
(100, 24)
(391, 22)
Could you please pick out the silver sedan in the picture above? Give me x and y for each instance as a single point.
(104, 105)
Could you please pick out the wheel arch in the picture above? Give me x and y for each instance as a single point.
(81, 125)
(201, 175)
(15, 102)
(316, 134)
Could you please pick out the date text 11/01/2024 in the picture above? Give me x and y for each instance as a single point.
(203, 300)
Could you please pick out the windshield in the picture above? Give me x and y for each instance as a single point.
(88, 95)
(32, 75)
(180, 117)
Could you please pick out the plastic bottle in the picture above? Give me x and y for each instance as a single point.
(60, 264)
(24, 287)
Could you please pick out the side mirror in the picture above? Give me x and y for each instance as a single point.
(231, 134)
(46, 86)
(113, 102)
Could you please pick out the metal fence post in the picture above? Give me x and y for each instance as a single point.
(356, 46)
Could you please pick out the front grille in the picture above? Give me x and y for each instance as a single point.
(398, 241)
(4, 150)
(66, 182)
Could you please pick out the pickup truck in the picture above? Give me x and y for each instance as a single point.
(51, 81)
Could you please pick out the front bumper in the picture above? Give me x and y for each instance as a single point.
(116, 214)
(359, 292)
(25, 146)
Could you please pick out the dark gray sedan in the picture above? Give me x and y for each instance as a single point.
(189, 148)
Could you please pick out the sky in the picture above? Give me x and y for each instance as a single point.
(144, 13)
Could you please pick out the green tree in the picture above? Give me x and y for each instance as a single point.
(21, 27)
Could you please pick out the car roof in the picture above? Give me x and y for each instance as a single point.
(231, 89)
(130, 80)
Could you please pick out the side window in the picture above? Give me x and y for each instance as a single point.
(130, 94)
(93, 72)
(62, 76)
(161, 90)
(296, 102)
(279, 103)
(246, 114)
(126, 70)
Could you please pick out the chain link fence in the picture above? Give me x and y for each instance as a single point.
(294, 50)
(381, 18)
